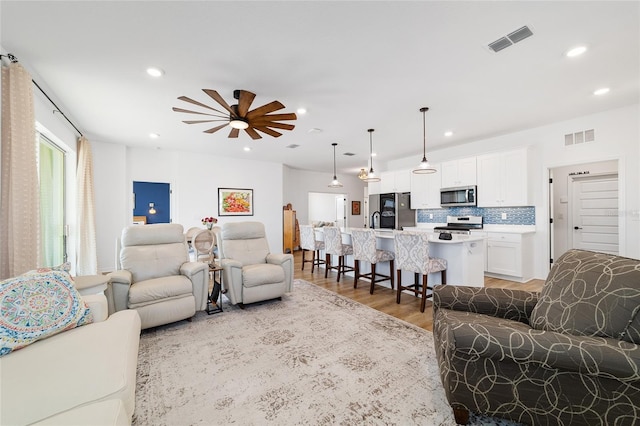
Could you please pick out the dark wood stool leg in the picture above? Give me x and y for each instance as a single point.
(340, 262)
(423, 300)
(399, 286)
(373, 277)
(303, 252)
(415, 284)
(444, 276)
(313, 260)
(327, 264)
(391, 274)
(356, 270)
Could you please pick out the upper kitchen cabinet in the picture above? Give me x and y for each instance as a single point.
(503, 179)
(460, 172)
(398, 181)
(425, 190)
(374, 188)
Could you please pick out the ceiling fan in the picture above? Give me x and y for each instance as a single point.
(238, 116)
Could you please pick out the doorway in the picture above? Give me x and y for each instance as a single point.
(328, 207)
(153, 201)
(584, 196)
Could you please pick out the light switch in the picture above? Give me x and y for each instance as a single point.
(504, 216)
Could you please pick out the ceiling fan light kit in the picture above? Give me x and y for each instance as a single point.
(371, 176)
(424, 167)
(335, 183)
(238, 116)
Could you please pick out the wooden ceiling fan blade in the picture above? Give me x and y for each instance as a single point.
(195, 112)
(216, 97)
(215, 129)
(201, 121)
(268, 131)
(264, 109)
(284, 126)
(251, 132)
(234, 133)
(186, 99)
(244, 102)
(279, 117)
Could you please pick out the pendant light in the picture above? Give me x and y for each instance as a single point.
(362, 174)
(424, 167)
(334, 183)
(371, 176)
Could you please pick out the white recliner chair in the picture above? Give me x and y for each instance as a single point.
(250, 272)
(155, 276)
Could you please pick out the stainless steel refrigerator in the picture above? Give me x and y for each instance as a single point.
(391, 211)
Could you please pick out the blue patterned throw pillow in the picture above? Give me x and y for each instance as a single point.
(36, 305)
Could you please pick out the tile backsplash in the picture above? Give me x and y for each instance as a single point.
(491, 215)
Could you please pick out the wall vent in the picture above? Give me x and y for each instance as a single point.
(579, 137)
(510, 39)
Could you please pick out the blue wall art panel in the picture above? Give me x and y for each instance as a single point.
(491, 215)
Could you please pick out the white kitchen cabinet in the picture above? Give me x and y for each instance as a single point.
(374, 188)
(510, 255)
(395, 181)
(503, 179)
(460, 172)
(425, 190)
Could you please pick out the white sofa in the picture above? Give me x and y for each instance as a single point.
(83, 376)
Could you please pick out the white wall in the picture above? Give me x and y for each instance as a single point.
(194, 180)
(617, 137)
(298, 184)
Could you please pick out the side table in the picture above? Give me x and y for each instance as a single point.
(214, 304)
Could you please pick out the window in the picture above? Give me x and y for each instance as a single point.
(51, 169)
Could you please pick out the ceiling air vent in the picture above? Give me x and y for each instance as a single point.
(293, 145)
(349, 154)
(579, 137)
(510, 39)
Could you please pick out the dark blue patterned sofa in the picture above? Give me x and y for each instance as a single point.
(568, 355)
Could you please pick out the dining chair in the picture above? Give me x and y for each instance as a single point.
(308, 242)
(364, 248)
(412, 254)
(334, 246)
(203, 243)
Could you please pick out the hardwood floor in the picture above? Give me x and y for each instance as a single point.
(384, 299)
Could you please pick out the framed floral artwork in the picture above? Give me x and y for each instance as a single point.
(355, 208)
(235, 202)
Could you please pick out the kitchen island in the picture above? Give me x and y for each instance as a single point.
(464, 255)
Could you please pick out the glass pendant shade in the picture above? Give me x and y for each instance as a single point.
(371, 176)
(424, 167)
(362, 174)
(335, 183)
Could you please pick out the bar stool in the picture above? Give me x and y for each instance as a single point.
(334, 246)
(364, 248)
(308, 242)
(412, 254)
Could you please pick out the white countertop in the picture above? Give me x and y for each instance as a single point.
(509, 229)
(433, 238)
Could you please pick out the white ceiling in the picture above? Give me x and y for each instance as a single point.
(353, 65)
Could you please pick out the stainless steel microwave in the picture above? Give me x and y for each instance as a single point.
(458, 197)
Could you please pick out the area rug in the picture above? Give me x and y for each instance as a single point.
(314, 357)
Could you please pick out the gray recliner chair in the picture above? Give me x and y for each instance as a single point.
(155, 276)
(250, 272)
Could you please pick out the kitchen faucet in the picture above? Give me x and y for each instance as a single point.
(373, 219)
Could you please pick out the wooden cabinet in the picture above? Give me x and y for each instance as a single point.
(510, 255)
(425, 190)
(503, 179)
(289, 231)
(395, 181)
(460, 172)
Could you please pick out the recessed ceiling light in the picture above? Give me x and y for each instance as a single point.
(154, 135)
(448, 133)
(302, 111)
(601, 91)
(373, 154)
(155, 72)
(246, 149)
(576, 51)
(315, 130)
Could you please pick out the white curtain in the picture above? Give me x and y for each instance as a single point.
(87, 257)
(20, 197)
